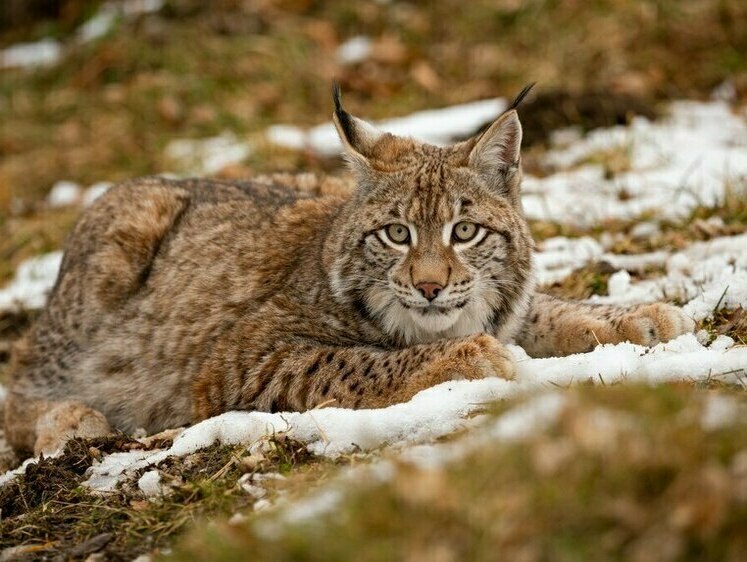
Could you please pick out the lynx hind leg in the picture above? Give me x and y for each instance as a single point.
(556, 327)
(66, 420)
(41, 426)
(138, 217)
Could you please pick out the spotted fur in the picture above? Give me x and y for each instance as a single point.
(179, 300)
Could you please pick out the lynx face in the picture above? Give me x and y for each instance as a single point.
(436, 245)
(437, 262)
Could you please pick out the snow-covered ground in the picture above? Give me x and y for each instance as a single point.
(687, 159)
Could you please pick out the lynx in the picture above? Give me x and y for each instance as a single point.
(180, 300)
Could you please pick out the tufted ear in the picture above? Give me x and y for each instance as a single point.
(498, 148)
(496, 153)
(358, 137)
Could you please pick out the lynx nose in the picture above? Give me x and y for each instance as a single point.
(429, 290)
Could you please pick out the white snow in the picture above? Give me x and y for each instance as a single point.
(150, 483)
(679, 162)
(436, 126)
(64, 193)
(38, 53)
(49, 51)
(354, 50)
(207, 156)
(103, 21)
(558, 257)
(707, 275)
(95, 191)
(99, 25)
(33, 280)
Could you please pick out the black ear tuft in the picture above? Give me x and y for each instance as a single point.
(337, 97)
(346, 122)
(520, 98)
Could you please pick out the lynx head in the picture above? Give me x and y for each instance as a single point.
(433, 243)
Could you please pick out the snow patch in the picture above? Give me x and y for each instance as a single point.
(64, 194)
(24, 55)
(95, 191)
(437, 126)
(676, 164)
(708, 276)
(354, 50)
(558, 257)
(207, 156)
(150, 483)
(33, 280)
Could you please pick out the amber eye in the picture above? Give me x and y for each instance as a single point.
(398, 233)
(464, 231)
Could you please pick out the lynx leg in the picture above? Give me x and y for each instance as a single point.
(41, 426)
(297, 378)
(557, 327)
(66, 420)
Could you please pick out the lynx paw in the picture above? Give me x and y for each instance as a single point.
(484, 356)
(654, 323)
(65, 421)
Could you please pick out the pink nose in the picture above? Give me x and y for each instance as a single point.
(429, 290)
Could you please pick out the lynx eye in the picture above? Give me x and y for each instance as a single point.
(398, 233)
(464, 231)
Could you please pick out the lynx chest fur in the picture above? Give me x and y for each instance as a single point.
(179, 300)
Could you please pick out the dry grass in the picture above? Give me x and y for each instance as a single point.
(108, 111)
(47, 513)
(625, 474)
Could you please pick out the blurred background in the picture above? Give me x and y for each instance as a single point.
(95, 91)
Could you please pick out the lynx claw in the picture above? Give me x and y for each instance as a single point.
(655, 323)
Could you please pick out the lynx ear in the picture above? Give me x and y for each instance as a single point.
(496, 153)
(358, 137)
(497, 150)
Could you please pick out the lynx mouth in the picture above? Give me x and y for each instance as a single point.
(430, 310)
(433, 318)
(436, 309)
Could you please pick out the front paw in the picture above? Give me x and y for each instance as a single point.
(483, 356)
(650, 324)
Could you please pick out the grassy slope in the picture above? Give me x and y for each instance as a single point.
(107, 112)
(627, 473)
(109, 109)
